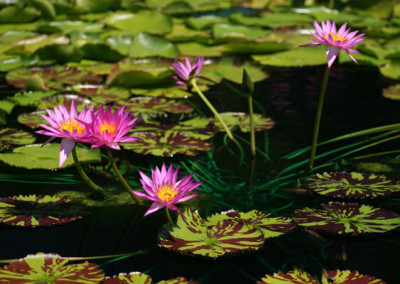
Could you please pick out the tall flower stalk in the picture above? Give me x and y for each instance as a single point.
(335, 40)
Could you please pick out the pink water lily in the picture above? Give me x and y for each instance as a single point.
(186, 72)
(164, 190)
(335, 40)
(68, 125)
(108, 128)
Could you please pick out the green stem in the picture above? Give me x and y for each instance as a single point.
(169, 216)
(331, 4)
(84, 176)
(210, 106)
(252, 132)
(318, 117)
(122, 180)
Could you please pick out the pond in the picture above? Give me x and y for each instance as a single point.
(256, 214)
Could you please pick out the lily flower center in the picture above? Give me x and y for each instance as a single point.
(71, 125)
(336, 37)
(107, 126)
(167, 193)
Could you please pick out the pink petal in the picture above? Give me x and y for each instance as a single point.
(331, 53)
(67, 145)
(187, 197)
(154, 207)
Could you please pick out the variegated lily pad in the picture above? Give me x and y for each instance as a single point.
(144, 105)
(191, 235)
(297, 275)
(32, 119)
(271, 227)
(38, 210)
(49, 268)
(102, 94)
(53, 77)
(170, 93)
(131, 278)
(242, 120)
(352, 185)
(12, 136)
(347, 219)
(179, 280)
(166, 143)
(65, 100)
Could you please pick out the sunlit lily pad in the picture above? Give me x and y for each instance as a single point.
(148, 45)
(144, 105)
(38, 210)
(65, 100)
(271, 227)
(102, 94)
(50, 268)
(12, 136)
(229, 31)
(297, 275)
(32, 119)
(191, 235)
(347, 219)
(197, 49)
(391, 70)
(7, 105)
(167, 143)
(37, 157)
(242, 120)
(31, 98)
(392, 92)
(352, 185)
(131, 278)
(204, 22)
(65, 27)
(170, 92)
(31, 44)
(272, 20)
(53, 77)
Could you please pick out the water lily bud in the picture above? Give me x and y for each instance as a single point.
(247, 83)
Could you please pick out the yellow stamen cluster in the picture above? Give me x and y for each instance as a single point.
(107, 126)
(71, 125)
(167, 193)
(335, 37)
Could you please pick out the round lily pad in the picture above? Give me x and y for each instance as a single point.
(145, 105)
(191, 235)
(12, 136)
(352, 185)
(131, 278)
(38, 210)
(347, 219)
(392, 92)
(50, 268)
(166, 144)
(65, 100)
(32, 119)
(102, 94)
(242, 120)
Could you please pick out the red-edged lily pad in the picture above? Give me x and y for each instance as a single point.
(271, 227)
(191, 235)
(32, 119)
(166, 143)
(145, 105)
(352, 185)
(347, 219)
(179, 280)
(12, 136)
(53, 77)
(65, 100)
(102, 94)
(131, 278)
(40, 210)
(297, 275)
(49, 268)
(242, 120)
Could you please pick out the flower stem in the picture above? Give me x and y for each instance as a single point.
(169, 216)
(252, 132)
(84, 176)
(331, 4)
(122, 180)
(318, 118)
(210, 106)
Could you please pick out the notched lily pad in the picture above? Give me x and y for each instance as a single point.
(38, 210)
(166, 143)
(12, 136)
(352, 185)
(347, 219)
(191, 235)
(102, 94)
(50, 268)
(65, 100)
(32, 119)
(242, 120)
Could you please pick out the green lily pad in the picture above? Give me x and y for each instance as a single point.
(12, 136)
(102, 94)
(38, 210)
(392, 92)
(362, 59)
(65, 100)
(96, 6)
(352, 185)
(347, 219)
(101, 52)
(230, 31)
(8, 63)
(60, 53)
(254, 47)
(93, 67)
(50, 268)
(18, 14)
(12, 36)
(146, 105)
(166, 143)
(271, 20)
(131, 278)
(147, 45)
(46, 157)
(204, 22)
(169, 92)
(30, 44)
(191, 235)
(198, 49)
(17, 27)
(180, 33)
(7, 105)
(65, 27)
(30, 98)
(198, 5)
(233, 119)
(270, 227)
(391, 70)
(32, 119)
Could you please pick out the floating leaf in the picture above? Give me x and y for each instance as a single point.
(31, 44)
(65, 27)
(391, 70)
(50, 268)
(94, 67)
(18, 14)
(204, 22)
(145, 105)
(191, 235)
(272, 20)
(271, 227)
(392, 92)
(131, 278)
(30, 98)
(242, 120)
(352, 185)
(7, 105)
(254, 47)
(65, 100)
(170, 93)
(297, 275)
(102, 94)
(179, 280)
(229, 31)
(197, 49)
(166, 143)
(32, 119)
(12, 136)
(147, 45)
(348, 277)
(349, 219)
(36, 156)
(38, 210)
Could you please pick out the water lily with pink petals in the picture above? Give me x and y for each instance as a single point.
(164, 190)
(186, 72)
(68, 125)
(335, 40)
(108, 128)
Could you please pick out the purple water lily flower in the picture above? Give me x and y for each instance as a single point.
(186, 72)
(335, 40)
(164, 190)
(68, 125)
